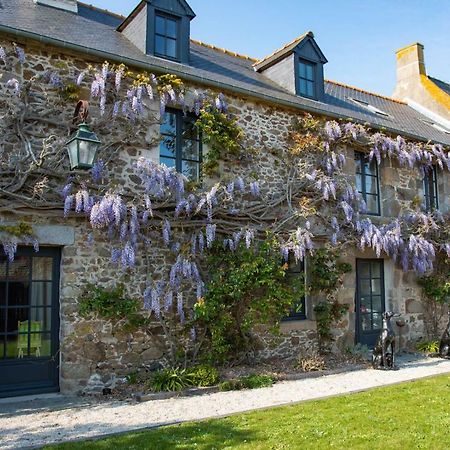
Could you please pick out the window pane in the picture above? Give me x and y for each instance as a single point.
(363, 270)
(160, 45)
(376, 303)
(160, 25)
(376, 273)
(18, 293)
(366, 323)
(372, 204)
(14, 316)
(41, 294)
(310, 88)
(357, 163)
(16, 346)
(302, 86)
(358, 181)
(190, 150)
(2, 320)
(191, 170)
(169, 162)
(171, 48)
(366, 304)
(377, 321)
(41, 319)
(167, 146)
(302, 70)
(169, 124)
(371, 185)
(42, 268)
(171, 28)
(19, 269)
(376, 287)
(309, 72)
(189, 128)
(364, 287)
(3, 267)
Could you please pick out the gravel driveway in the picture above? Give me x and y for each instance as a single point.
(57, 418)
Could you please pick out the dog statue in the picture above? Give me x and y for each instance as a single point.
(444, 345)
(384, 350)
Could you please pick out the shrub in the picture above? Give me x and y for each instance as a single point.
(247, 287)
(428, 346)
(203, 375)
(248, 382)
(360, 351)
(170, 380)
(107, 303)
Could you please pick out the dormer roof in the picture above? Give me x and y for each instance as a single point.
(179, 7)
(297, 44)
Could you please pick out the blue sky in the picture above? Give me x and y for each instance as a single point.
(358, 37)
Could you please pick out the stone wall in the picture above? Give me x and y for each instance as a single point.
(99, 350)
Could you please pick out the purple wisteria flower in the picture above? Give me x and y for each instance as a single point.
(254, 189)
(20, 53)
(3, 55)
(14, 83)
(210, 234)
(166, 232)
(10, 249)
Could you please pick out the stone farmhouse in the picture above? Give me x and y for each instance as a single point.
(69, 353)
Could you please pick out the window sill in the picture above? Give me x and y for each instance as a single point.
(297, 325)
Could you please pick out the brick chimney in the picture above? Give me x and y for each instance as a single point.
(66, 5)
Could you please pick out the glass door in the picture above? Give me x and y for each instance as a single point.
(369, 300)
(29, 322)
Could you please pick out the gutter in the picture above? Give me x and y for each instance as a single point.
(196, 79)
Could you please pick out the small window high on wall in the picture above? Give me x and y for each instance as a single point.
(430, 189)
(166, 36)
(181, 146)
(296, 273)
(307, 79)
(367, 182)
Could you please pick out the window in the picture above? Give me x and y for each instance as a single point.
(430, 189)
(307, 80)
(180, 145)
(166, 36)
(368, 106)
(296, 272)
(437, 126)
(367, 182)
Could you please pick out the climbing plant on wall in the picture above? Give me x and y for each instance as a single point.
(313, 202)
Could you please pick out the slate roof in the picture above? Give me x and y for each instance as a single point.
(209, 66)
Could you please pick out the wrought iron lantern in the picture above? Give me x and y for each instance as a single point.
(84, 144)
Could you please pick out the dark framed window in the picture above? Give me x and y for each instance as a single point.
(166, 36)
(368, 183)
(430, 189)
(307, 78)
(296, 272)
(181, 145)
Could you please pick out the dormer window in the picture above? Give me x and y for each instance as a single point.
(160, 28)
(307, 79)
(166, 36)
(297, 67)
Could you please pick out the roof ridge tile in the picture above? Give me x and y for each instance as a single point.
(385, 97)
(223, 50)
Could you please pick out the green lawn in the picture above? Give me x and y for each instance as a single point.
(405, 416)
